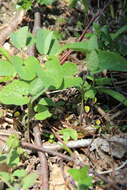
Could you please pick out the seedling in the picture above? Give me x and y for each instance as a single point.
(81, 176)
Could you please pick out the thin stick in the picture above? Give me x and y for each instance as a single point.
(106, 180)
(37, 25)
(70, 144)
(43, 159)
(104, 115)
(42, 149)
(115, 169)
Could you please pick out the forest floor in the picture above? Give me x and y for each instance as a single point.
(105, 147)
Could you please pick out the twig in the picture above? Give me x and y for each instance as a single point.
(11, 26)
(106, 181)
(120, 112)
(54, 146)
(104, 115)
(37, 25)
(42, 156)
(43, 159)
(42, 149)
(6, 133)
(115, 169)
(70, 144)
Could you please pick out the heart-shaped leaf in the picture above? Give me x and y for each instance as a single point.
(69, 133)
(7, 69)
(43, 40)
(85, 47)
(51, 74)
(98, 61)
(42, 112)
(15, 93)
(69, 69)
(19, 38)
(29, 181)
(5, 53)
(26, 68)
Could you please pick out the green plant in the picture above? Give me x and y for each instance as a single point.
(68, 133)
(99, 58)
(29, 79)
(81, 176)
(111, 41)
(17, 178)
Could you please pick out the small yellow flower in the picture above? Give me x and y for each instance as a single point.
(87, 109)
(17, 114)
(98, 122)
(94, 100)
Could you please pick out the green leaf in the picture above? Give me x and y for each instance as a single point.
(2, 158)
(91, 93)
(15, 93)
(86, 86)
(111, 61)
(51, 74)
(98, 61)
(25, 4)
(55, 47)
(85, 47)
(43, 40)
(36, 89)
(81, 176)
(46, 102)
(19, 173)
(30, 39)
(13, 158)
(29, 180)
(26, 68)
(7, 69)
(119, 32)
(118, 96)
(70, 81)
(5, 79)
(92, 61)
(45, 2)
(5, 53)
(19, 38)
(36, 86)
(4, 176)
(43, 112)
(13, 141)
(69, 133)
(121, 45)
(103, 81)
(69, 68)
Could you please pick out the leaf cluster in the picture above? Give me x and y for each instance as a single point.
(29, 79)
(18, 178)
